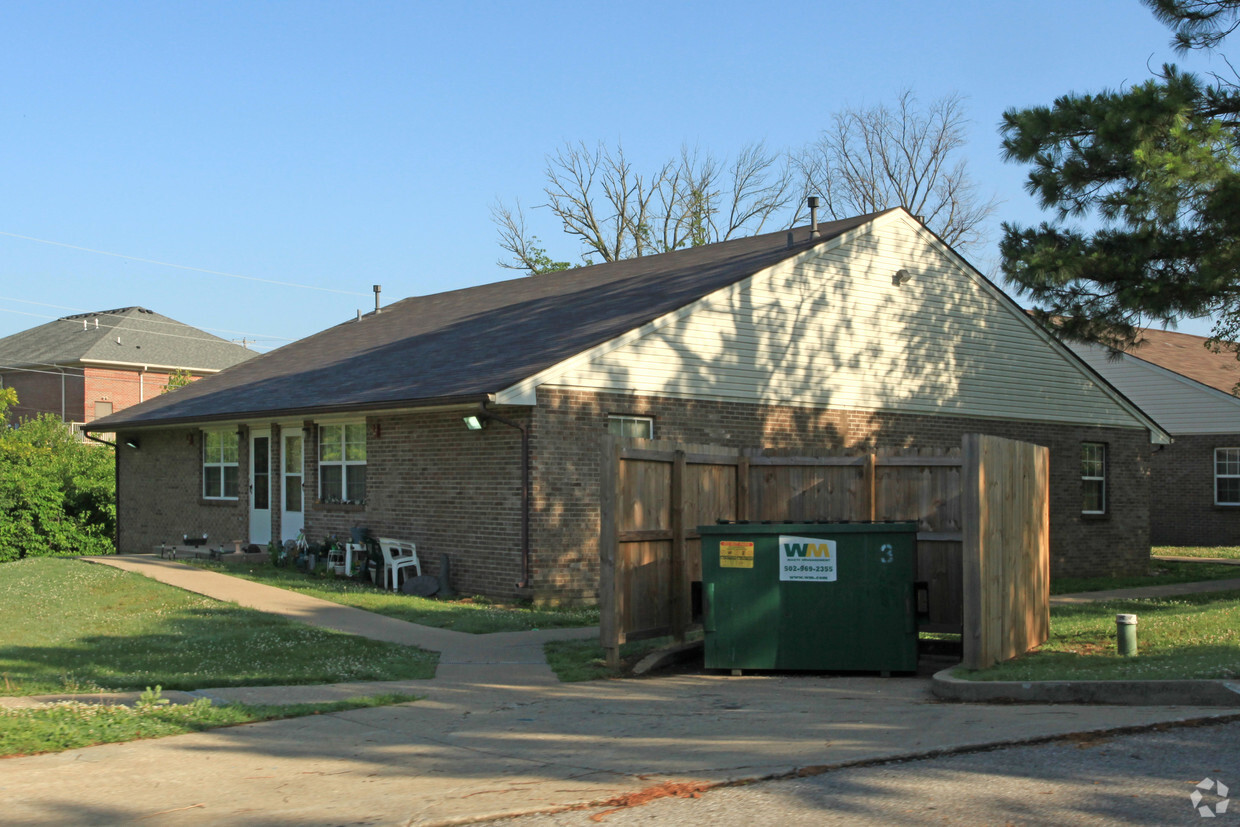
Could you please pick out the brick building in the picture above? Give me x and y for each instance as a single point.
(87, 366)
(414, 421)
(1189, 390)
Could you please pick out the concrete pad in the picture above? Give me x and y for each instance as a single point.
(483, 749)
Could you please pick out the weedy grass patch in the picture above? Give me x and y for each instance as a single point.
(72, 626)
(74, 724)
(585, 660)
(474, 615)
(1217, 552)
(1186, 637)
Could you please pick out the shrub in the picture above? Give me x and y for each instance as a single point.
(57, 494)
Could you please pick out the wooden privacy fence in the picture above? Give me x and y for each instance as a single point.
(655, 493)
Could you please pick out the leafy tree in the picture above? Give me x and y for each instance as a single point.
(57, 494)
(1145, 187)
(177, 379)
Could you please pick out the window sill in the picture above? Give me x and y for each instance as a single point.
(1094, 518)
(1226, 506)
(350, 508)
(219, 501)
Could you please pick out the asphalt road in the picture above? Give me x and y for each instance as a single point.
(1144, 778)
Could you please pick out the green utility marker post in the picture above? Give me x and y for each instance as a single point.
(1126, 635)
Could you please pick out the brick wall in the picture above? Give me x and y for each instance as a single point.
(1182, 511)
(40, 392)
(567, 425)
(159, 493)
(458, 492)
(123, 388)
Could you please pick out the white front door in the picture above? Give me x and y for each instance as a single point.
(292, 520)
(260, 487)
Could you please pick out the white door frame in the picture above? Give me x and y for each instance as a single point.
(260, 487)
(292, 522)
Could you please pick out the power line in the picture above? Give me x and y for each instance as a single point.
(181, 266)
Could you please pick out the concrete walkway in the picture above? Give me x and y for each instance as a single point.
(516, 655)
(1172, 590)
(495, 736)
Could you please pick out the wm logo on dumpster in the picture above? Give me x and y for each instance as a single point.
(806, 559)
(808, 549)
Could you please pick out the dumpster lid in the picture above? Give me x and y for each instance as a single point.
(774, 526)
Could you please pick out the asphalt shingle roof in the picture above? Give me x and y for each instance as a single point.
(1188, 356)
(465, 344)
(128, 334)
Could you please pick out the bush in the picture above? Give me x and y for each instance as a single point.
(57, 494)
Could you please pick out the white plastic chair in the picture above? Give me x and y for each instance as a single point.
(398, 555)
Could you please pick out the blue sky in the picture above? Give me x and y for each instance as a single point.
(340, 145)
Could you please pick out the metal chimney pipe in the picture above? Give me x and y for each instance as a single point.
(812, 201)
(377, 289)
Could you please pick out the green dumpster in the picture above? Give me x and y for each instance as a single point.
(811, 596)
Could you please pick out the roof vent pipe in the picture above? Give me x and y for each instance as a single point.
(812, 201)
(96, 323)
(377, 289)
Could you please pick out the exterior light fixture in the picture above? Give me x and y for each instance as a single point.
(900, 277)
(475, 422)
(132, 442)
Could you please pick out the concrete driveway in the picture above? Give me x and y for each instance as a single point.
(476, 750)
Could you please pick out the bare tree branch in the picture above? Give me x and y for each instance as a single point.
(873, 159)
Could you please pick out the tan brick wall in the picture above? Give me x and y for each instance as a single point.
(1182, 509)
(159, 493)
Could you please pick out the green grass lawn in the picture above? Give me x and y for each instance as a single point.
(473, 615)
(1221, 552)
(72, 626)
(73, 724)
(1192, 636)
(1160, 573)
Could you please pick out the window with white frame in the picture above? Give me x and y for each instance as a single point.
(1093, 478)
(1227, 476)
(641, 427)
(342, 463)
(220, 450)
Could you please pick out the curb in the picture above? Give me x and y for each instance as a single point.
(948, 687)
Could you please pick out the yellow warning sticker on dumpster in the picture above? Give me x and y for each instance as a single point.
(734, 554)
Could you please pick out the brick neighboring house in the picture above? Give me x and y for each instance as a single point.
(90, 365)
(1187, 389)
(873, 333)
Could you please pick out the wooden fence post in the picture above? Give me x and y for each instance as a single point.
(678, 593)
(608, 551)
(972, 478)
(743, 506)
(869, 485)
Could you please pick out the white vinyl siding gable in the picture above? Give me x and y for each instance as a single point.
(1177, 403)
(834, 331)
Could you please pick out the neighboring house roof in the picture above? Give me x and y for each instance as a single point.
(1175, 378)
(125, 336)
(780, 318)
(1188, 356)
